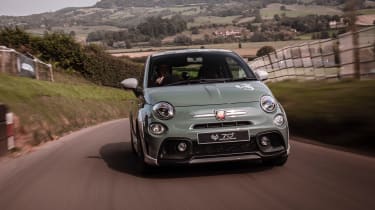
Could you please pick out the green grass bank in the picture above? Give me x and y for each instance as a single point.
(47, 110)
(340, 113)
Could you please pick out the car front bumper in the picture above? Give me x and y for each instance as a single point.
(160, 150)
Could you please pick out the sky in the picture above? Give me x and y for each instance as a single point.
(28, 7)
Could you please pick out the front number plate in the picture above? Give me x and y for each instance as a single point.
(222, 137)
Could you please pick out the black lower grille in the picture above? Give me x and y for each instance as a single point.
(224, 148)
(169, 150)
(222, 124)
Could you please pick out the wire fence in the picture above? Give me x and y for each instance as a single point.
(321, 60)
(15, 63)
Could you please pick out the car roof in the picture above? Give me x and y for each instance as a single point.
(171, 52)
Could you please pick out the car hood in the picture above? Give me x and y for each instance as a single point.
(208, 94)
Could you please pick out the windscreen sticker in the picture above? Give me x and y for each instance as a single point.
(245, 87)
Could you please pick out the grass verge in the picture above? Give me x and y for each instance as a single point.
(47, 110)
(339, 113)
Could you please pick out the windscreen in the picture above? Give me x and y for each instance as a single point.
(194, 68)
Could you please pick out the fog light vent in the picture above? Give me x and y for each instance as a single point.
(157, 129)
(265, 141)
(279, 120)
(182, 146)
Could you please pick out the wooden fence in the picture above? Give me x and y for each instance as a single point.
(320, 60)
(15, 63)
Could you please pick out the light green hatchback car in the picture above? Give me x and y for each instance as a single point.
(204, 106)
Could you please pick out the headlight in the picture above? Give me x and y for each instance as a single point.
(163, 110)
(268, 104)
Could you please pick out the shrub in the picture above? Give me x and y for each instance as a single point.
(265, 50)
(60, 48)
(183, 40)
(104, 69)
(64, 52)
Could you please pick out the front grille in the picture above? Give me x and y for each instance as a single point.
(224, 148)
(221, 124)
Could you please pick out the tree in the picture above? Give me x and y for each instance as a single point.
(15, 38)
(265, 50)
(128, 45)
(324, 35)
(60, 48)
(194, 30)
(259, 37)
(258, 18)
(276, 17)
(72, 33)
(252, 28)
(182, 40)
(155, 42)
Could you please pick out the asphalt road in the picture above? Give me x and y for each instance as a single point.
(94, 169)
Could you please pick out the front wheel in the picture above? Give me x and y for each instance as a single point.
(141, 166)
(132, 137)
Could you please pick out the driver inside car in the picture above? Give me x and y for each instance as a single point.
(164, 75)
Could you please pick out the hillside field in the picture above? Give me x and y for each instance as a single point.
(248, 48)
(296, 10)
(47, 110)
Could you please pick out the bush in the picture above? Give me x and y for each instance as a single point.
(62, 50)
(258, 37)
(194, 30)
(265, 50)
(182, 40)
(104, 69)
(155, 42)
(15, 38)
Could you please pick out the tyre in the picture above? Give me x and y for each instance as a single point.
(132, 142)
(141, 167)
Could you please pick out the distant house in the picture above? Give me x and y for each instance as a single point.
(120, 44)
(332, 24)
(228, 33)
(337, 24)
(365, 20)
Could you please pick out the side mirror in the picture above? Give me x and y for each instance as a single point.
(262, 75)
(130, 83)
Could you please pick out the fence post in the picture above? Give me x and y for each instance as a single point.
(301, 60)
(312, 62)
(3, 130)
(2, 61)
(50, 72)
(322, 59)
(36, 69)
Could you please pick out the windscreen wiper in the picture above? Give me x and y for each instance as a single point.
(198, 81)
(184, 82)
(243, 79)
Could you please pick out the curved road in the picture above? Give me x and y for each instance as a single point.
(94, 169)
